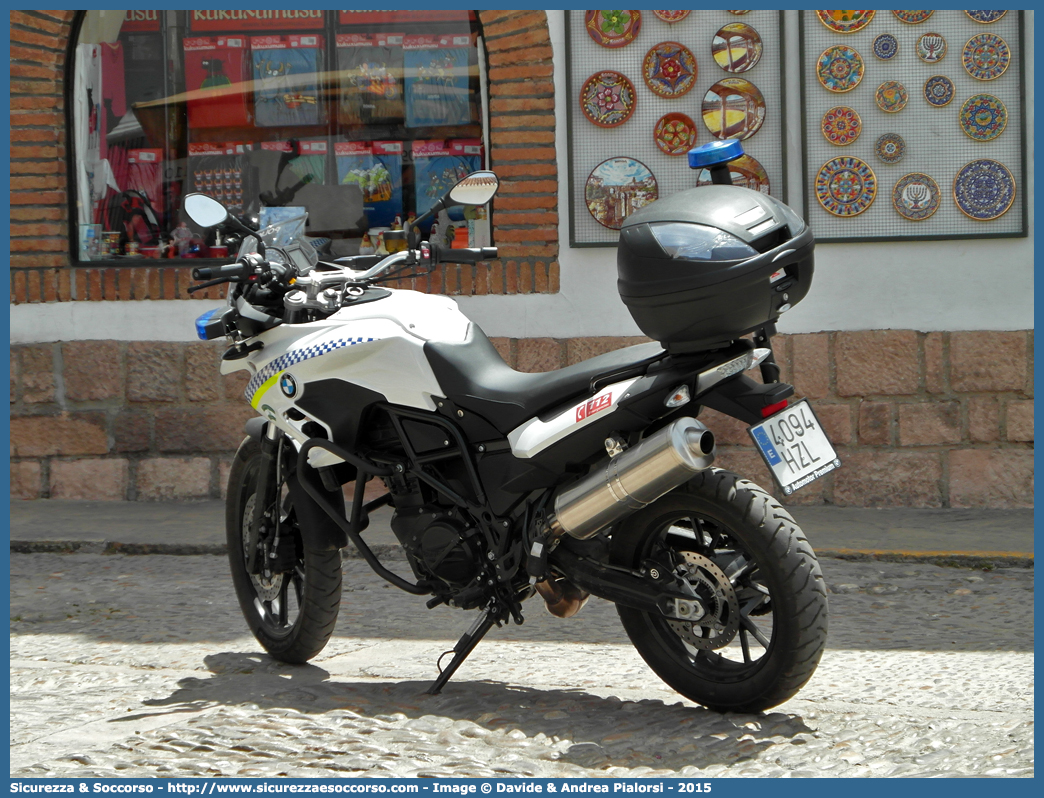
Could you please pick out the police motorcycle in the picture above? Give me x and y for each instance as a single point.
(596, 479)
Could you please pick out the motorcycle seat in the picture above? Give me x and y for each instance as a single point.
(476, 378)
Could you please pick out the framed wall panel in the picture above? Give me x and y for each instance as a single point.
(913, 124)
(641, 82)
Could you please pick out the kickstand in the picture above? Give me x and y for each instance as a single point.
(464, 647)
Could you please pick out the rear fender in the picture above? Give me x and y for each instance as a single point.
(743, 398)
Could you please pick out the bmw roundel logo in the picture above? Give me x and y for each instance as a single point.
(288, 385)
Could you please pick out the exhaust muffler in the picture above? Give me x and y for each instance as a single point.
(634, 479)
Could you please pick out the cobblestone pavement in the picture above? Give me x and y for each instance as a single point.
(141, 666)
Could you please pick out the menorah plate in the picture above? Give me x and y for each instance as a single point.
(916, 196)
(984, 189)
(986, 56)
(931, 47)
(846, 186)
(938, 90)
(983, 117)
(839, 69)
(886, 47)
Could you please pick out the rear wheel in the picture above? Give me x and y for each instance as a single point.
(291, 609)
(766, 622)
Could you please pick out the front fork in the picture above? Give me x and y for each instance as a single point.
(265, 504)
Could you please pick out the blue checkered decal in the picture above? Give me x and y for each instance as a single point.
(284, 362)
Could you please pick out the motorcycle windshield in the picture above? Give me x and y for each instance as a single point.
(287, 237)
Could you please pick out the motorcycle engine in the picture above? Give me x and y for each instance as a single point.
(438, 545)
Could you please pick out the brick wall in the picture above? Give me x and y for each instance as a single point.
(521, 145)
(936, 420)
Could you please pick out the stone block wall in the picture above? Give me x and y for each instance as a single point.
(919, 420)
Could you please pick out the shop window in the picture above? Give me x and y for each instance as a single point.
(359, 118)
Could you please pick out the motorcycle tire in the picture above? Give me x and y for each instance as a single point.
(721, 528)
(292, 614)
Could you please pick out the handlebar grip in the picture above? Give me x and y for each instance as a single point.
(468, 255)
(207, 272)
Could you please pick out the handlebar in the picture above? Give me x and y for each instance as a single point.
(228, 270)
(467, 255)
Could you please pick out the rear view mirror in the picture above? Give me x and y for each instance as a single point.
(205, 211)
(477, 188)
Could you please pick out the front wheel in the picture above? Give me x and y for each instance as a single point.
(292, 608)
(766, 622)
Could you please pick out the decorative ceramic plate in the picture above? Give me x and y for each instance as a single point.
(613, 28)
(916, 196)
(985, 17)
(608, 98)
(890, 148)
(736, 47)
(931, 47)
(938, 90)
(745, 171)
(733, 108)
(986, 56)
(912, 17)
(675, 134)
(739, 13)
(616, 188)
(886, 46)
(845, 21)
(891, 96)
(839, 69)
(670, 17)
(669, 69)
(983, 117)
(846, 186)
(841, 126)
(984, 190)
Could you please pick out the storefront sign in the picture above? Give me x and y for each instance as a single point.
(238, 19)
(140, 22)
(372, 17)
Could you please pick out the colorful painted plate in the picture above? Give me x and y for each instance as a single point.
(669, 69)
(912, 17)
(745, 172)
(846, 186)
(986, 56)
(670, 17)
(890, 148)
(736, 47)
(938, 90)
(733, 108)
(845, 21)
(916, 196)
(841, 126)
(983, 117)
(613, 28)
(984, 190)
(616, 188)
(886, 47)
(891, 96)
(739, 13)
(608, 98)
(931, 47)
(839, 69)
(675, 134)
(985, 17)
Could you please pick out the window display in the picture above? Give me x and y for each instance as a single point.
(354, 116)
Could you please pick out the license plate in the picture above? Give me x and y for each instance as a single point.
(794, 447)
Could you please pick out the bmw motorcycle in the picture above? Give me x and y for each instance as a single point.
(596, 479)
